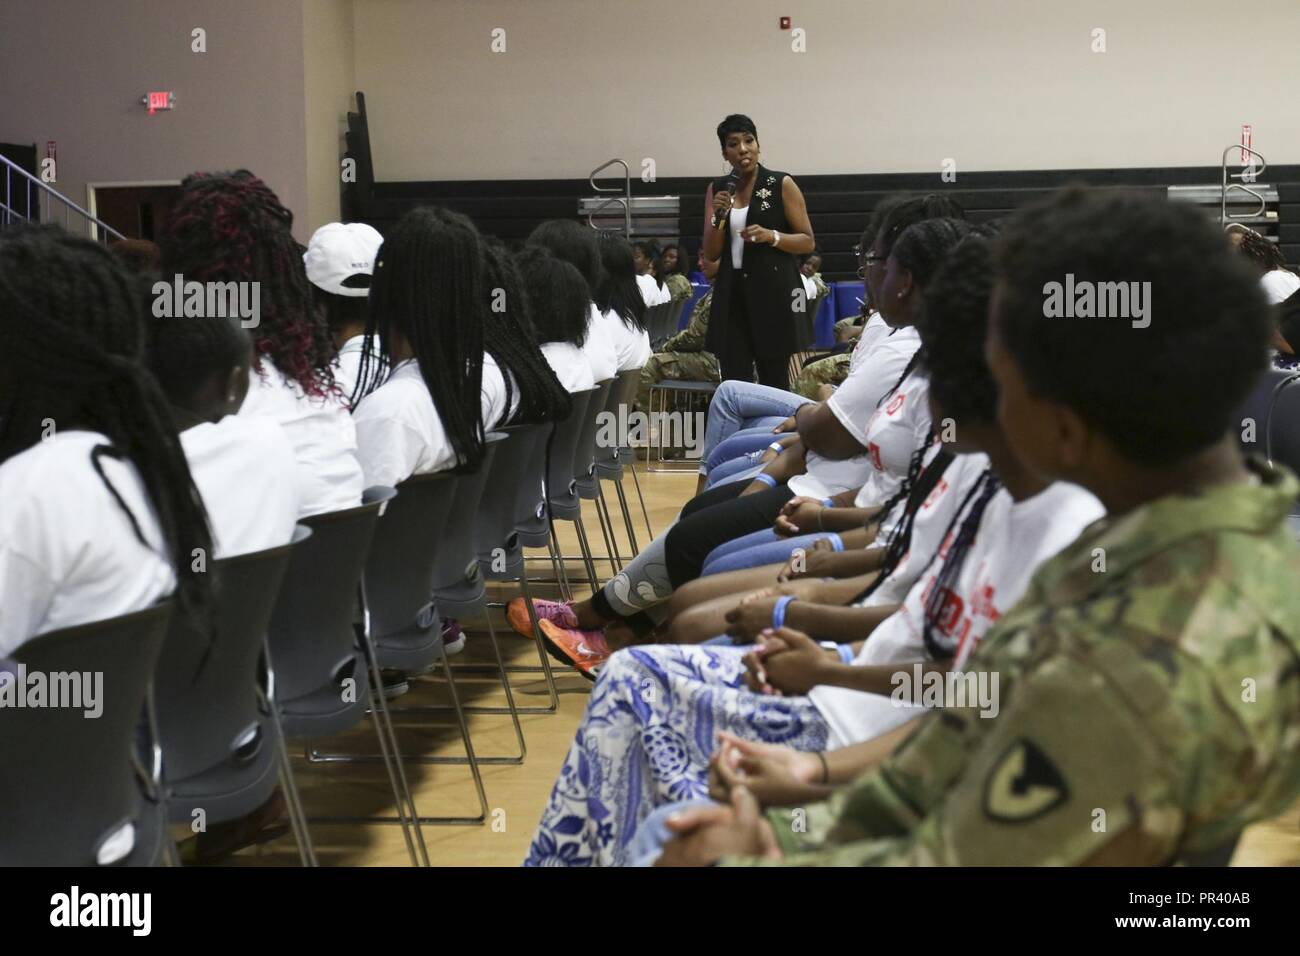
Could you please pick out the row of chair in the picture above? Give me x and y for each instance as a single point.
(195, 720)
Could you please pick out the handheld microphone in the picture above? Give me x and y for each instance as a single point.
(729, 184)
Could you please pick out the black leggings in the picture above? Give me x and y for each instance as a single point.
(723, 517)
(738, 360)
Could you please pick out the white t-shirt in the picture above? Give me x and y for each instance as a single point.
(631, 347)
(68, 553)
(929, 525)
(322, 435)
(227, 459)
(651, 291)
(1279, 285)
(399, 431)
(874, 331)
(599, 349)
(739, 216)
(347, 367)
(570, 365)
(896, 430)
(854, 404)
(1014, 538)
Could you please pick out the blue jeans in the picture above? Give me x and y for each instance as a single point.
(738, 405)
(744, 442)
(760, 548)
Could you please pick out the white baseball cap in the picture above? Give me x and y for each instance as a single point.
(337, 252)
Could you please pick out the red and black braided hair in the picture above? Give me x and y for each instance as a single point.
(230, 227)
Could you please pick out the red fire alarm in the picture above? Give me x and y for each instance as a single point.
(785, 23)
(158, 101)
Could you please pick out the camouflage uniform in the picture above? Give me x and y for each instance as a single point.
(683, 358)
(826, 371)
(679, 287)
(1164, 691)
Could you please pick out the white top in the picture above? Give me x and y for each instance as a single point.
(1014, 538)
(1279, 285)
(347, 367)
(599, 349)
(854, 404)
(929, 525)
(399, 431)
(896, 430)
(631, 347)
(570, 365)
(739, 214)
(651, 291)
(809, 287)
(229, 458)
(322, 435)
(874, 332)
(68, 554)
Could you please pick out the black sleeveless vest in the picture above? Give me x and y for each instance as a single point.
(771, 277)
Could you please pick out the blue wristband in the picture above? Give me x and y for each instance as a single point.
(778, 612)
(828, 502)
(837, 543)
(846, 653)
(776, 446)
(765, 479)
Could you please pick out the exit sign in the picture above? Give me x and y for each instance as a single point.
(159, 101)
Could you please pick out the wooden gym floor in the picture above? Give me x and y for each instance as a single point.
(516, 794)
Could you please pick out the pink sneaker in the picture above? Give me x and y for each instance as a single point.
(557, 611)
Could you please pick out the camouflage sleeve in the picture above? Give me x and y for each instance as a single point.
(1081, 767)
(691, 338)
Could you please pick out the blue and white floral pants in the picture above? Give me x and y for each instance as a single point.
(651, 726)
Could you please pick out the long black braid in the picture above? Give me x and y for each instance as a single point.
(618, 291)
(428, 288)
(953, 559)
(511, 340)
(71, 318)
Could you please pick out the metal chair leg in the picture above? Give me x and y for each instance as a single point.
(586, 552)
(627, 518)
(606, 530)
(644, 513)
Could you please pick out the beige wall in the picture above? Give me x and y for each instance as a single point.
(885, 85)
(74, 71)
(330, 81)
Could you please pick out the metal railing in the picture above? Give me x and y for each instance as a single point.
(49, 210)
(1248, 175)
(625, 200)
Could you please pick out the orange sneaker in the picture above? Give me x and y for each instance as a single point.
(584, 650)
(558, 611)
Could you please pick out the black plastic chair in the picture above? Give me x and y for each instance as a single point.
(609, 466)
(219, 732)
(325, 674)
(402, 623)
(1283, 438)
(73, 782)
(569, 506)
(1252, 419)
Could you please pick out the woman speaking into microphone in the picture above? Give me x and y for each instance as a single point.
(756, 225)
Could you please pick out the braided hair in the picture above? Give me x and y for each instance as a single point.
(184, 354)
(558, 296)
(958, 547)
(1257, 248)
(428, 288)
(618, 291)
(509, 338)
(575, 244)
(71, 317)
(232, 227)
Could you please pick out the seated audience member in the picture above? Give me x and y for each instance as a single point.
(340, 260)
(99, 515)
(894, 420)
(1198, 589)
(558, 306)
(683, 357)
(534, 392)
(140, 256)
(1008, 522)
(622, 310)
(1275, 276)
(578, 246)
(243, 467)
(670, 268)
(231, 228)
(645, 256)
(429, 306)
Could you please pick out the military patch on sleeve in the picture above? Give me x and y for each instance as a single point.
(1023, 785)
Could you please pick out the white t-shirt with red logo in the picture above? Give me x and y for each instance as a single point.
(898, 428)
(856, 404)
(1013, 539)
(928, 526)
